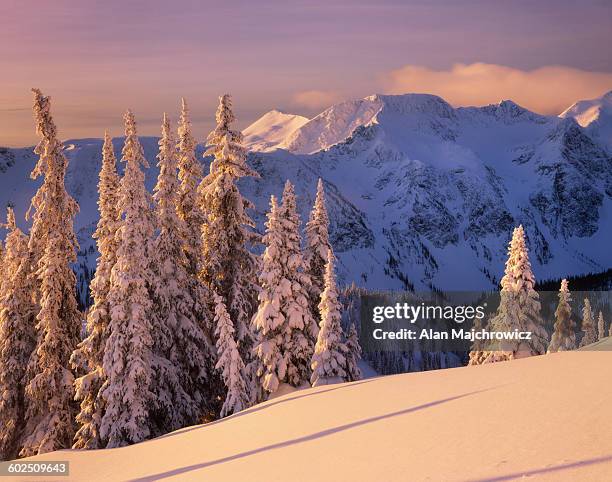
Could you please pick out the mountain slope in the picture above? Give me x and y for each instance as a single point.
(595, 115)
(420, 194)
(269, 130)
(547, 417)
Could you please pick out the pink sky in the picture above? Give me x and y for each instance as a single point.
(97, 58)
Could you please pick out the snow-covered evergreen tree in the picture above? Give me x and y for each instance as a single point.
(478, 352)
(589, 333)
(317, 245)
(601, 326)
(328, 361)
(269, 321)
(352, 355)
(190, 175)
(303, 326)
(17, 337)
(284, 322)
(519, 306)
(88, 358)
(229, 362)
(50, 392)
(564, 336)
(128, 356)
(180, 346)
(228, 267)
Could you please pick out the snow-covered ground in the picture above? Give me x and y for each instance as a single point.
(543, 418)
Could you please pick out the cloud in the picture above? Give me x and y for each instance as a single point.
(548, 89)
(316, 99)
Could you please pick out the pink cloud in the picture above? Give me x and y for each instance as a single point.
(548, 89)
(316, 99)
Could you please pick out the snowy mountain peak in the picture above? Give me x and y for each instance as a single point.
(595, 115)
(270, 129)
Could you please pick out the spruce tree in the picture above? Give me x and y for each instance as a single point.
(478, 353)
(229, 362)
(303, 326)
(564, 336)
(269, 321)
(50, 392)
(317, 245)
(519, 307)
(89, 355)
(228, 268)
(179, 342)
(352, 355)
(589, 334)
(601, 326)
(128, 356)
(284, 323)
(17, 337)
(190, 175)
(328, 361)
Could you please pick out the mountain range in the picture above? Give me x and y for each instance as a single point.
(420, 194)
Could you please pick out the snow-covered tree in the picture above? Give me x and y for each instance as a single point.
(519, 307)
(564, 336)
(589, 333)
(128, 356)
(50, 392)
(303, 326)
(317, 245)
(328, 361)
(269, 321)
(284, 322)
(601, 326)
(478, 353)
(229, 362)
(352, 355)
(190, 175)
(88, 358)
(180, 346)
(228, 268)
(17, 337)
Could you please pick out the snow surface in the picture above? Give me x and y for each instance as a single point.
(541, 418)
(272, 128)
(595, 115)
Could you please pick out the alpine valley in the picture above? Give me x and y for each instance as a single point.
(420, 194)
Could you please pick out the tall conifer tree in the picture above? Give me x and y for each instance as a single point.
(180, 345)
(519, 306)
(50, 392)
(128, 357)
(89, 356)
(17, 337)
(228, 267)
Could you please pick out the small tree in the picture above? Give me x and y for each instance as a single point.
(352, 355)
(601, 326)
(564, 336)
(317, 245)
(588, 325)
(88, 357)
(328, 361)
(17, 338)
(50, 393)
(478, 354)
(519, 307)
(229, 362)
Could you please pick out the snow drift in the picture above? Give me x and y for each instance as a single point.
(546, 417)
